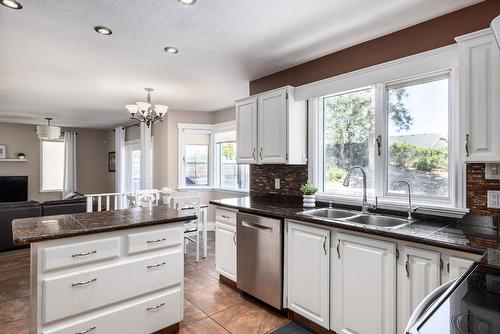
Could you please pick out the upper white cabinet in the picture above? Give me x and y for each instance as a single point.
(272, 128)
(363, 290)
(480, 95)
(418, 274)
(246, 135)
(308, 272)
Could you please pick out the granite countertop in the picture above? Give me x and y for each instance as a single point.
(441, 232)
(28, 230)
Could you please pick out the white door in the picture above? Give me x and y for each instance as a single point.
(455, 267)
(308, 272)
(480, 98)
(272, 118)
(225, 250)
(246, 131)
(418, 274)
(363, 285)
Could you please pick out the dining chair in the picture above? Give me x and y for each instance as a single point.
(190, 204)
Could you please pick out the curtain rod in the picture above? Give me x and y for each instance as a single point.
(128, 126)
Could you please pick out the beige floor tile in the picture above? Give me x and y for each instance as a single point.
(214, 298)
(205, 326)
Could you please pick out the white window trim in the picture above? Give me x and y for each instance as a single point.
(426, 64)
(210, 129)
(41, 167)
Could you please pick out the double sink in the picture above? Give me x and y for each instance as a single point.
(376, 220)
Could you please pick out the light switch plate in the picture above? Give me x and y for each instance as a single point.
(493, 199)
(492, 172)
(277, 183)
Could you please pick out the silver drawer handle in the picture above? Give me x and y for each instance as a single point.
(154, 308)
(156, 241)
(87, 331)
(84, 282)
(84, 254)
(156, 265)
(227, 217)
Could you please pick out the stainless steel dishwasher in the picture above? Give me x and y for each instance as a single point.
(260, 258)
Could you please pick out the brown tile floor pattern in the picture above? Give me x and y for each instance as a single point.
(209, 307)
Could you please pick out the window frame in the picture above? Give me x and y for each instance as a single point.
(454, 206)
(218, 170)
(210, 129)
(42, 190)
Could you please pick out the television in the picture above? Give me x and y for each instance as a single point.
(13, 188)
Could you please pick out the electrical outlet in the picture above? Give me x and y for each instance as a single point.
(492, 172)
(277, 183)
(493, 199)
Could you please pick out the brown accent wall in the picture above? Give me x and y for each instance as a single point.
(425, 36)
(262, 179)
(477, 186)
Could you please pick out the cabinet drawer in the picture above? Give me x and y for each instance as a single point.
(80, 253)
(152, 240)
(145, 316)
(69, 295)
(226, 216)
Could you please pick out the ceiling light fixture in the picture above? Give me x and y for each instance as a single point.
(144, 112)
(171, 49)
(103, 30)
(187, 2)
(13, 4)
(48, 132)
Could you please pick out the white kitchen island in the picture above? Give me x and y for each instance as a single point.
(106, 272)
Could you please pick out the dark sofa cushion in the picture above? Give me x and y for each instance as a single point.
(9, 213)
(9, 205)
(62, 207)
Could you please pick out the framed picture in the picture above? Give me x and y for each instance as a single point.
(111, 161)
(3, 151)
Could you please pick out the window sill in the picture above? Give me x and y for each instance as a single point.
(51, 191)
(234, 191)
(204, 188)
(435, 209)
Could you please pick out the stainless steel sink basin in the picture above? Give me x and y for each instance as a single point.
(329, 213)
(379, 221)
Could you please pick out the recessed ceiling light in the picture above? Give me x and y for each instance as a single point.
(171, 49)
(187, 2)
(11, 4)
(103, 30)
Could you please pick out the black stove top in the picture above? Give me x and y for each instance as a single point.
(471, 305)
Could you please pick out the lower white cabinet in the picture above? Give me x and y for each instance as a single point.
(308, 272)
(418, 274)
(454, 267)
(225, 249)
(363, 285)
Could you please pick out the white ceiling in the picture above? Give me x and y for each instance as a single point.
(52, 63)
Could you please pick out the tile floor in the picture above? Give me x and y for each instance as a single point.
(209, 307)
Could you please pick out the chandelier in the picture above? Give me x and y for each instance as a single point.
(145, 112)
(48, 132)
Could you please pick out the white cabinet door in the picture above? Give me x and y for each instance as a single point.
(458, 266)
(225, 250)
(418, 274)
(272, 118)
(480, 98)
(308, 272)
(246, 131)
(363, 280)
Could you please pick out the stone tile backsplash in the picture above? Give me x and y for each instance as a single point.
(262, 179)
(477, 186)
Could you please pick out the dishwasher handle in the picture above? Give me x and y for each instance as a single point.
(256, 226)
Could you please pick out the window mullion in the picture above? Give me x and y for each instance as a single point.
(380, 130)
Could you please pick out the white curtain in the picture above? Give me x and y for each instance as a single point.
(145, 157)
(120, 165)
(69, 162)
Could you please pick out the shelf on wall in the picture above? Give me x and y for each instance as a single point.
(14, 160)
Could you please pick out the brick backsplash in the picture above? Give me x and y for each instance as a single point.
(262, 179)
(477, 186)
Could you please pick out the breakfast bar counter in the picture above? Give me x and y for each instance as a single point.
(106, 272)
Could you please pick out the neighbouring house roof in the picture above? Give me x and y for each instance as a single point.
(433, 140)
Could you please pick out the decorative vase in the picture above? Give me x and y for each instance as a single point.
(309, 201)
(166, 199)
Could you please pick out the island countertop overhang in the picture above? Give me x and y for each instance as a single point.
(37, 229)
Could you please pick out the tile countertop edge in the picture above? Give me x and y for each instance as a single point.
(424, 238)
(34, 231)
